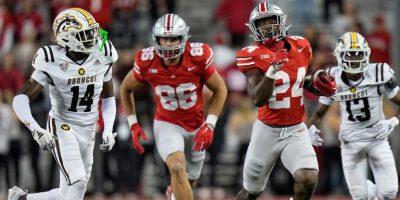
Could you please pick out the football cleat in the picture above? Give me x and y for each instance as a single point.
(15, 193)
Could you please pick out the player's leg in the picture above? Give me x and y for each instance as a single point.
(355, 166)
(69, 158)
(300, 159)
(170, 145)
(383, 167)
(261, 156)
(194, 159)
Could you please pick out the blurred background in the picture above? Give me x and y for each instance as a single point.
(25, 25)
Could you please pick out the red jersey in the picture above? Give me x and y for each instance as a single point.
(178, 89)
(286, 106)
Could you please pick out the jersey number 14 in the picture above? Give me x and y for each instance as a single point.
(86, 100)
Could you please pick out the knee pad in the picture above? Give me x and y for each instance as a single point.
(358, 193)
(253, 170)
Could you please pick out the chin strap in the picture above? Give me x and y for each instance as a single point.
(104, 35)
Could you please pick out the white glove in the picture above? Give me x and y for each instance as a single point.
(44, 138)
(316, 140)
(108, 141)
(384, 127)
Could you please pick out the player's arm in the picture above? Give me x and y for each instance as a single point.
(218, 87)
(127, 89)
(314, 123)
(108, 110)
(259, 87)
(318, 115)
(21, 107)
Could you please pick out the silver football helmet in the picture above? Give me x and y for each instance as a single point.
(270, 31)
(170, 25)
(352, 52)
(77, 30)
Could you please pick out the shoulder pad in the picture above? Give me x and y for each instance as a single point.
(299, 40)
(380, 72)
(144, 57)
(44, 55)
(110, 52)
(249, 51)
(201, 53)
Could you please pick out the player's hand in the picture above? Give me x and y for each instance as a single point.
(204, 137)
(384, 127)
(324, 83)
(108, 141)
(137, 133)
(277, 60)
(316, 140)
(44, 138)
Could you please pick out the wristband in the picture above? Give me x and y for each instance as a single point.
(132, 119)
(271, 72)
(212, 120)
(395, 121)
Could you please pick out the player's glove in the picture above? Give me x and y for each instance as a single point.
(324, 83)
(108, 141)
(204, 137)
(278, 58)
(137, 133)
(44, 138)
(384, 127)
(316, 140)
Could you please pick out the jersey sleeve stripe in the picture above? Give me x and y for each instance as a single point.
(210, 58)
(110, 46)
(245, 64)
(49, 77)
(382, 72)
(46, 57)
(109, 67)
(136, 68)
(209, 64)
(106, 49)
(376, 72)
(51, 53)
(246, 58)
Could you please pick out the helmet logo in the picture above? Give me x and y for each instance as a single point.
(66, 22)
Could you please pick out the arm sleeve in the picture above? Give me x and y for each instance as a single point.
(108, 109)
(23, 111)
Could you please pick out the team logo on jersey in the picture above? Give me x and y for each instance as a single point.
(153, 71)
(65, 127)
(97, 62)
(64, 66)
(81, 71)
(353, 89)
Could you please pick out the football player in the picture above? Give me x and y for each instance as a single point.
(364, 129)
(78, 74)
(177, 71)
(275, 68)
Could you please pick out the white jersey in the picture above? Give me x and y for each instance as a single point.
(75, 87)
(361, 104)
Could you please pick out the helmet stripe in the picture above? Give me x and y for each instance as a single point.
(169, 22)
(88, 17)
(353, 40)
(262, 7)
